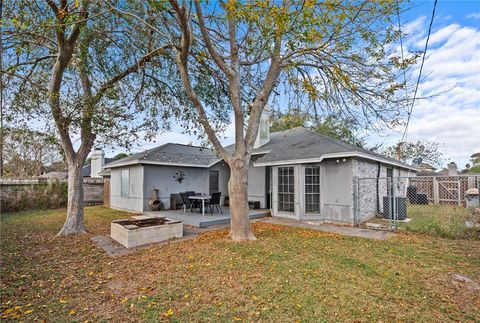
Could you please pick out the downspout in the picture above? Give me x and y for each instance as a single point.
(378, 187)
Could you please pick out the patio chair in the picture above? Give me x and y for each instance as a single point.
(188, 203)
(214, 202)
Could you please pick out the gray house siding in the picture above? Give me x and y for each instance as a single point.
(256, 183)
(133, 200)
(337, 190)
(196, 179)
(144, 178)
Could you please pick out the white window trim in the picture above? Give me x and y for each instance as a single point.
(127, 194)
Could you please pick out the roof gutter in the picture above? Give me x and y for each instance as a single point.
(159, 163)
(334, 155)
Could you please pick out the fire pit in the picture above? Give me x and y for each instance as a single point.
(133, 233)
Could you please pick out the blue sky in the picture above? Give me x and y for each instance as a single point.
(452, 64)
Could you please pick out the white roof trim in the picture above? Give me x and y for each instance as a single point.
(334, 155)
(160, 163)
(261, 152)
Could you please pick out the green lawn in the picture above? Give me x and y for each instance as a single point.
(288, 274)
(442, 220)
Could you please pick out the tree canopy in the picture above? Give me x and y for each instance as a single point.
(337, 128)
(28, 153)
(431, 152)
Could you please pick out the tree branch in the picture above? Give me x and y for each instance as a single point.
(208, 43)
(182, 62)
(131, 69)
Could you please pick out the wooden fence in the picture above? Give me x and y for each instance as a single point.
(445, 189)
(23, 194)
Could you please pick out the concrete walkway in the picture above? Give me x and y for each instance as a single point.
(342, 230)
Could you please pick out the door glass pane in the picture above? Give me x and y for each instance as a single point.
(286, 189)
(312, 189)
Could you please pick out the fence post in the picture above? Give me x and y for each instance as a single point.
(393, 221)
(436, 197)
(459, 192)
(106, 192)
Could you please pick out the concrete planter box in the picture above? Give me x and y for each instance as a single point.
(133, 233)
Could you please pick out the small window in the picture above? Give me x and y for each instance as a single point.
(125, 182)
(264, 129)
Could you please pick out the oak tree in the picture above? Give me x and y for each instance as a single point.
(79, 68)
(337, 55)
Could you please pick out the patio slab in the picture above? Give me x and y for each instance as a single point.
(202, 221)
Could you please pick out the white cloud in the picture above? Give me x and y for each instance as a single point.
(451, 63)
(474, 15)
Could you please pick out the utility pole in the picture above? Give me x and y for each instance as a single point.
(399, 151)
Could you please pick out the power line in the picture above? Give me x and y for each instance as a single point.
(404, 136)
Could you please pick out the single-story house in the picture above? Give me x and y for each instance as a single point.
(295, 173)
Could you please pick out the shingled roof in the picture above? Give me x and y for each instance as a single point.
(170, 154)
(301, 145)
(293, 146)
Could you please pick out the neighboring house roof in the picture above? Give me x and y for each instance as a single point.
(170, 154)
(105, 173)
(426, 167)
(59, 175)
(87, 169)
(300, 145)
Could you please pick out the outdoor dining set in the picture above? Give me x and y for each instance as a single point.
(198, 201)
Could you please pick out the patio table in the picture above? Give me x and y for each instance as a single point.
(201, 197)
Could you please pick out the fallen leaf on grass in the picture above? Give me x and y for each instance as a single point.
(168, 313)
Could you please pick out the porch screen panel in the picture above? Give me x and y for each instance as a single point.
(312, 189)
(286, 188)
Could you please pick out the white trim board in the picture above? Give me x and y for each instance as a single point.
(334, 155)
(153, 162)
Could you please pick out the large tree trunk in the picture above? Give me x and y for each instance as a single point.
(238, 194)
(74, 221)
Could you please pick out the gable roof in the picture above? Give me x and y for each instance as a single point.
(293, 146)
(170, 154)
(300, 145)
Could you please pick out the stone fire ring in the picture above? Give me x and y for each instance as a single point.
(133, 233)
